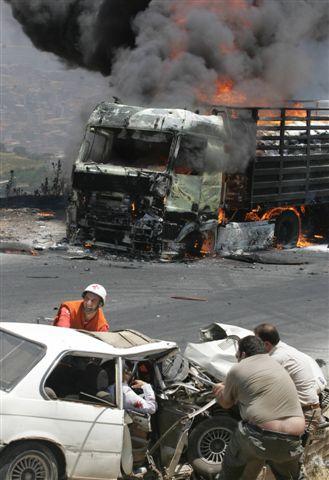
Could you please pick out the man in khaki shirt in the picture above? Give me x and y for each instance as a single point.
(303, 370)
(272, 418)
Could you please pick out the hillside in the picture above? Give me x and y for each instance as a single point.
(28, 172)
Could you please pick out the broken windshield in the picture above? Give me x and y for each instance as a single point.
(191, 155)
(127, 148)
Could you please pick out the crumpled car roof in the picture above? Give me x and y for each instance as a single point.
(122, 338)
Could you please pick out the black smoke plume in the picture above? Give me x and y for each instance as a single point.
(84, 33)
(178, 52)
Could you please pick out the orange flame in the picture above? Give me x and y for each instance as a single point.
(207, 245)
(221, 216)
(45, 214)
(253, 215)
(303, 241)
(291, 115)
(225, 92)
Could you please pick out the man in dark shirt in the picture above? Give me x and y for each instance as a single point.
(272, 418)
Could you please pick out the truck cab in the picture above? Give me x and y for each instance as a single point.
(148, 180)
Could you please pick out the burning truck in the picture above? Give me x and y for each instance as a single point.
(173, 182)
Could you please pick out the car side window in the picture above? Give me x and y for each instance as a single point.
(79, 379)
(17, 357)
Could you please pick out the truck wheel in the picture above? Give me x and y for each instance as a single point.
(207, 444)
(287, 229)
(193, 244)
(29, 460)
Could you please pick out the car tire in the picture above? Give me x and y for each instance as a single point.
(32, 458)
(287, 229)
(207, 444)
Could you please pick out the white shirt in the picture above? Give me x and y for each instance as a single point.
(301, 370)
(144, 403)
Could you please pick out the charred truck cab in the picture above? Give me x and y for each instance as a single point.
(144, 179)
(168, 181)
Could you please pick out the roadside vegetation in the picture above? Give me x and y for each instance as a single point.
(23, 172)
(28, 172)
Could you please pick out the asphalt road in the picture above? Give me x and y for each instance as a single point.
(293, 297)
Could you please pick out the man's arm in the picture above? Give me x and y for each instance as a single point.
(132, 401)
(64, 318)
(104, 328)
(222, 396)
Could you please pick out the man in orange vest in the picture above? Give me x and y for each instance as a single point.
(85, 314)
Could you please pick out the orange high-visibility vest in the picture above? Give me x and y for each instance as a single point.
(78, 317)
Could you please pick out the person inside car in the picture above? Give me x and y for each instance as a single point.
(142, 403)
(85, 314)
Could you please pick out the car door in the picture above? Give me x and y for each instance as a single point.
(90, 435)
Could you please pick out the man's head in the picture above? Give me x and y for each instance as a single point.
(93, 297)
(269, 334)
(249, 346)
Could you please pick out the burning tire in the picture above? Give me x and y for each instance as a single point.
(207, 444)
(287, 229)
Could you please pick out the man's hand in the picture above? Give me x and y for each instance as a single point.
(138, 384)
(218, 389)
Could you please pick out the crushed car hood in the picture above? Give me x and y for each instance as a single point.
(216, 354)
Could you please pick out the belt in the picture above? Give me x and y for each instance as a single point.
(271, 433)
(311, 406)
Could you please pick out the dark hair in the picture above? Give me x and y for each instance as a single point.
(268, 333)
(251, 345)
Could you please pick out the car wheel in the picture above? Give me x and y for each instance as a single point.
(207, 444)
(28, 461)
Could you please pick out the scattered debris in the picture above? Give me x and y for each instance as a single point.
(42, 276)
(196, 299)
(265, 259)
(17, 248)
(24, 226)
(59, 246)
(83, 257)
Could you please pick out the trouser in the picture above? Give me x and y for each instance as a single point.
(252, 446)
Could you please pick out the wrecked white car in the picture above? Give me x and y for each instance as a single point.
(57, 421)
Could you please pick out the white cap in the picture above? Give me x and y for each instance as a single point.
(97, 290)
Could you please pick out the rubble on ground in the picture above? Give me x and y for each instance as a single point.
(31, 228)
